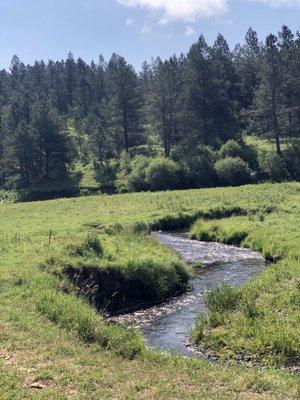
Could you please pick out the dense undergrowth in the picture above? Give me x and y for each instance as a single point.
(46, 313)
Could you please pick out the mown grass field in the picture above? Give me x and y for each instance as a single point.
(55, 345)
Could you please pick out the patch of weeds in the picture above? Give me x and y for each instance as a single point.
(198, 266)
(258, 383)
(250, 310)
(197, 334)
(222, 298)
(140, 227)
(90, 245)
(215, 319)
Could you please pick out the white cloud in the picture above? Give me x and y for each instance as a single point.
(189, 31)
(129, 21)
(279, 3)
(146, 28)
(181, 10)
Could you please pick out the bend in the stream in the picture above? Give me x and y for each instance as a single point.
(167, 326)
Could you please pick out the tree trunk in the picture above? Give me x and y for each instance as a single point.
(125, 128)
(274, 111)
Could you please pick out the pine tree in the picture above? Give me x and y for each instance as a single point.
(266, 109)
(199, 93)
(226, 93)
(125, 102)
(165, 99)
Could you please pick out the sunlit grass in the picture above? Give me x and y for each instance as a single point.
(50, 333)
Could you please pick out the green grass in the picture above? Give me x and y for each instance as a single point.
(51, 334)
(265, 319)
(118, 270)
(264, 144)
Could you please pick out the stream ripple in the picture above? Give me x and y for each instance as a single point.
(167, 326)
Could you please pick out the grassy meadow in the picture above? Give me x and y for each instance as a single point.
(54, 344)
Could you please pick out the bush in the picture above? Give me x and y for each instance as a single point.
(162, 174)
(136, 180)
(142, 150)
(242, 150)
(8, 196)
(272, 166)
(105, 173)
(231, 149)
(233, 171)
(131, 176)
(292, 159)
(198, 169)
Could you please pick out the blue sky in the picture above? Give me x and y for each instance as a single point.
(136, 29)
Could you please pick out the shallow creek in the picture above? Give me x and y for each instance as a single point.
(167, 326)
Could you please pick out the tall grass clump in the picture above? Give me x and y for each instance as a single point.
(90, 245)
(222, 298)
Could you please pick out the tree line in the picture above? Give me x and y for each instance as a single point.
(58, 113)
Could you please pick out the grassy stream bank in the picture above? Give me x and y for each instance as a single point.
(51, 336)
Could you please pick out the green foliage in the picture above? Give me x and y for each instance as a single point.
(197, 333)
(222, 298)
(121, 270)
(231, 149)
(162, 174)
(197, 168)
(137, 181)
(272, 167)
(56, 116)
(241, 150)
(222, 231)
(8, 196)
(233, 171)
(292, 159)
(105, 174)
(91, 244)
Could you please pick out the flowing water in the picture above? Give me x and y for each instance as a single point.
(167, 326)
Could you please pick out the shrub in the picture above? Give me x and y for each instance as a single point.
(233, 171)
(142, 150)
(272, 166)
(8, 196)
(231, 149)
(250, 155)
(162, 174)
(136, 180)
(242, 150)
(292, 159)
(198, 170)
(105, 173)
